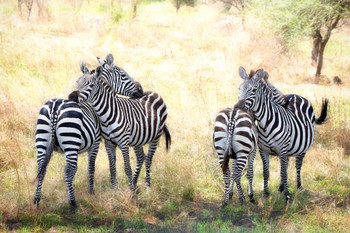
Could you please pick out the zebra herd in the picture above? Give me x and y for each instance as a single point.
(285, 127)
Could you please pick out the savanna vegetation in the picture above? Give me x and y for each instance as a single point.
(190, 55)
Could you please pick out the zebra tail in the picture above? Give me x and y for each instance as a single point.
(167, 137)
(47, 158)
(228, 150)
(227, 154)
(323, 116)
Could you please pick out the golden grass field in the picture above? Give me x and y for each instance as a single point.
(191, 58)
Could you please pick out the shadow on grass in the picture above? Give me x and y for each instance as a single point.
(180, 216)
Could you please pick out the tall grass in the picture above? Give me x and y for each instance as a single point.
(191, 58)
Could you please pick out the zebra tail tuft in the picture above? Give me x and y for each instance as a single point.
(167, 137)
(323, 116)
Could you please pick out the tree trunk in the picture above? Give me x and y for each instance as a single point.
(317, 38)
(320, 58)
(323, 45)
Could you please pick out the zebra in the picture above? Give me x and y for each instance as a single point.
(235, 136)
(282, 131)
(64, 125)
(126, 122)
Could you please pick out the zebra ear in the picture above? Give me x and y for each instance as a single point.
(110, 60)
(101, 61)
(243, 73)
(259, 74)
(98, 71)
(266, 76)
(83, 68)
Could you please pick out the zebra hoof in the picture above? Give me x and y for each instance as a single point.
(266, 194)
(230, 195)
(36, 202)
(91, 191)
(281, 188)
(251, 199)
(224, 204)
(73, 207)
(289, 200)
(242, 201)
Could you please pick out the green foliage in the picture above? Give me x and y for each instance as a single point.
(117, 13)
(293, 20)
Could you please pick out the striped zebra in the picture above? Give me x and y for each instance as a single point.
(282, 131)
(64, 125)
(235, 137)
(126, 122)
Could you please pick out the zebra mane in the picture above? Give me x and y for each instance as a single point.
(107, 84)
(251, 74)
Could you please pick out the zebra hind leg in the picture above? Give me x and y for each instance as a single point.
(140, 157)
(70, 170)
(233, 181)
(151, 150)
(298, 164)
(239, 164)
(250, 174)
(227, 177)
(40, 179)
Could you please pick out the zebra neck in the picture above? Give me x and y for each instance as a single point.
(260, 107)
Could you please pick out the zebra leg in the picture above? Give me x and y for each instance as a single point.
(37, 195)
(140, 157)
(298, 164)
(111, 152)
(227, 177)
(239, 164)
(265, 160)
(250, 174)
(233, 181)
(70, 170)
(127, 167)
(151, 150)
(91, 167)
(284, 175)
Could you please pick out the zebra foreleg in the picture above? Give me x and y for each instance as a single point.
(151, 150)
(250, 174)
(111, 152)
(91, 167)
(298, 164)
(70, 170)
(127, 167)
(265, 160)
(284, 176)
(140, 157)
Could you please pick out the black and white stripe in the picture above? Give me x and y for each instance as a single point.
(72, 128)
(126, 122)
(235, 137)
(283, 131)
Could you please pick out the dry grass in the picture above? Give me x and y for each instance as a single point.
(191, 59)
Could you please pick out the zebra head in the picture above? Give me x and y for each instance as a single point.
(87, 75)
(251, 84)
(121, 82)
